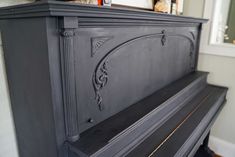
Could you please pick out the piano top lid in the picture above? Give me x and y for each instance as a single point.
(56, 8)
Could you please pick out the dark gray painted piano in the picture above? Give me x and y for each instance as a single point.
(101, 82)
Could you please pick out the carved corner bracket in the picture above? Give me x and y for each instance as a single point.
(98, 42)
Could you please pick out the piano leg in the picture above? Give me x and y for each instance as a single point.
(206, 141)
(204, 150)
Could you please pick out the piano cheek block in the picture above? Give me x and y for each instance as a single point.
(89, 81)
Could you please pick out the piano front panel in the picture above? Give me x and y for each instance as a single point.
(117, 66)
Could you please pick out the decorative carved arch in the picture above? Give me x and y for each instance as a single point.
(100, 75)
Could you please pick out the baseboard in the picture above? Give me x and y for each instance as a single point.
(221, 147)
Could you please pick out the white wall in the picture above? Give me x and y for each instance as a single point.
(13, 2)
(222, 72)
(193, 8)
(7, 136)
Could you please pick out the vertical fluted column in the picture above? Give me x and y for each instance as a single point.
(69, 83)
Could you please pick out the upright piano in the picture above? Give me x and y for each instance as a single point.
(88, 81)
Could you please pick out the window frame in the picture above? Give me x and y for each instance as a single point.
(206, 46)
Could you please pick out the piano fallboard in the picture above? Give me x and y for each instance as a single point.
(126, 135)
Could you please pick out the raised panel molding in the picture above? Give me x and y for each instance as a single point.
(193, 35)
(100, 74)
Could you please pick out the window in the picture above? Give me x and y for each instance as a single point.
(218, 35)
